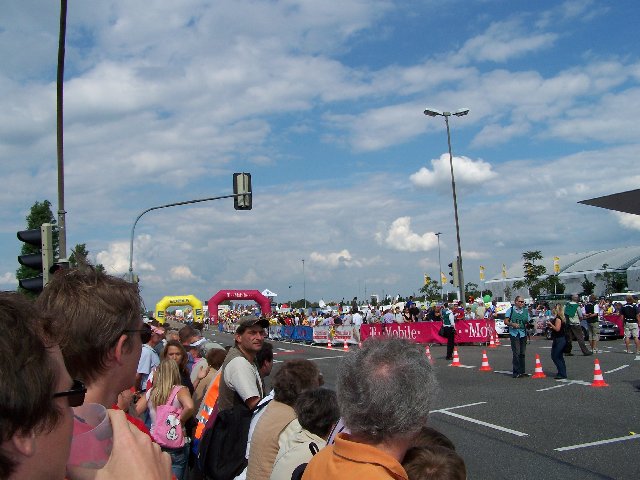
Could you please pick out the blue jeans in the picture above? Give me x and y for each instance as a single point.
(518, 348)
(179, 457)
(557, 355)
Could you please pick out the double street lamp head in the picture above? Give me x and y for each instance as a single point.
(430, 112)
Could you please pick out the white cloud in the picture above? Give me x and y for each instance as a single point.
(628, 220)
(400, 237)
(8, 278)
(503, 41)
(182, 272)
(116, 258)
(465, 170)
(333, 259)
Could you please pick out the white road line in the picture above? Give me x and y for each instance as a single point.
(324, 358)
(504, 372)
(465, 366)
(555, 386)
(485, 424)
(458, 406)
(447, 411)
(601, 442)
(577, 382)
(616, 369)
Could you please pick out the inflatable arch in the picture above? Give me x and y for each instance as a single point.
(222, 295)
(176, 301)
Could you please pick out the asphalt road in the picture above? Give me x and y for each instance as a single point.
(525, 428)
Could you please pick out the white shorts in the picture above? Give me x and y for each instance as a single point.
(631, 329)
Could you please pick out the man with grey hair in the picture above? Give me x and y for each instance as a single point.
(385, 392)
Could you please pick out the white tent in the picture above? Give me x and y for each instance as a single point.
(268, 293)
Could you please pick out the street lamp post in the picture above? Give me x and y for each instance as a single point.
(304, 288)
(440, 266)
(242, 194)
(460, 113)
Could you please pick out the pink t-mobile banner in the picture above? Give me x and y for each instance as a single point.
(467, 331)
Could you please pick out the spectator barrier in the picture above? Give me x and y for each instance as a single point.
(467, 331)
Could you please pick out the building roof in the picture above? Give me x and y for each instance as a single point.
(616, 259)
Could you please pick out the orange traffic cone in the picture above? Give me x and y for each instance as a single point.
(497, 339)
(427, 352)
(456, 359)
(598, 379)
(346, 346)
(329, 344)
(538, 373)
(485, 362)
(492, 344)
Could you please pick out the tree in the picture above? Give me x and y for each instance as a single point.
(80, 256)
(588, 287)
(532, 273)
(471, 290)
(40, 213)
(613, 281)
(552, 284)
(431, 290)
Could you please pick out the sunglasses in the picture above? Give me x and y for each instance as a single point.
(145, 333)
(75, 396)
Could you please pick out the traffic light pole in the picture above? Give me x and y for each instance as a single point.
(188, 202)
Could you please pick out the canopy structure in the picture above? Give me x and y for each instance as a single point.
(268, 293)
(627, 202)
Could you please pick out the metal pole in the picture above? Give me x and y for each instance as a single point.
(188, 202)
(62, 232)
(440, 267)
(304, 287)
(455, 212)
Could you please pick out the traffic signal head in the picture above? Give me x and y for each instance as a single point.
(41, 240)
(242, 190)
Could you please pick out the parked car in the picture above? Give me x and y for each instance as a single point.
(608, 331)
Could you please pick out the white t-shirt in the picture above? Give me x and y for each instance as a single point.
(357, 319)
(149, 360)
(241, 377)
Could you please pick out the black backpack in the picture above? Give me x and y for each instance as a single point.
(223, 448)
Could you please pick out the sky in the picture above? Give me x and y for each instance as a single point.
(322, 102)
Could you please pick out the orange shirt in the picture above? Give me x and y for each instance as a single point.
(346, 459)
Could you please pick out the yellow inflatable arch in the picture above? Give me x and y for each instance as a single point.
(177, 301)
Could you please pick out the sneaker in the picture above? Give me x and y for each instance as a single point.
(523, 375)
(587, 354)
(559, 377)
(568, 354)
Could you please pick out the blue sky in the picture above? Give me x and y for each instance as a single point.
(322, 102)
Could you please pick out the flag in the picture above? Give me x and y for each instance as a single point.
(481, 273)
(504, 271)
(426, 279)
(556, 265)
(443, 278)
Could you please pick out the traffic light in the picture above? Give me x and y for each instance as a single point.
(454, 273)
(242, 188)
(41, 261)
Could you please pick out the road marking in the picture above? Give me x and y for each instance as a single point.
(577, 382)
(637, 357)
(446, 411)
(616, 369)
(324, 358)
(465, 366)
(555, 386)
(458, 406)
(503, 372)
(595, 444)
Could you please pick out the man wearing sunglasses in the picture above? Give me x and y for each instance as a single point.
(98, 320)
(36, 419)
